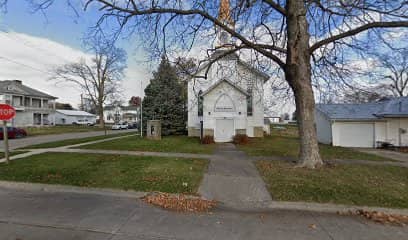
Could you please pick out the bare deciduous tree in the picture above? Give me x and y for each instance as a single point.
(393, 73)
(290, 33)
(364, 95)
(99, 77)
(296, 36)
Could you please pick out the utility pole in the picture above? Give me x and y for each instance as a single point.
(6, 144)
(141, 108)
(82, 103)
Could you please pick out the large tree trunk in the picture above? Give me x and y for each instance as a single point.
(298, 75)
(101, 116)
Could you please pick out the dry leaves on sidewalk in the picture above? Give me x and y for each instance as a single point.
(383, 218)
(180, 203)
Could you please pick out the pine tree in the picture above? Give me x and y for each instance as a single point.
(163, 100)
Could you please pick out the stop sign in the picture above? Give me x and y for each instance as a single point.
(7, 112)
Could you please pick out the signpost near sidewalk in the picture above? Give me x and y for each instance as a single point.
(7, 112)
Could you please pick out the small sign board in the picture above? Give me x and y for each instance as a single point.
(7, 112)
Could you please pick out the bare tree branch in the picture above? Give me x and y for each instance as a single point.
(358, 30)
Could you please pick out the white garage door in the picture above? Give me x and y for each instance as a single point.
(355, 135)
(224, 130)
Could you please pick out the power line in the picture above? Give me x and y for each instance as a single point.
(25, 65)
(29, 44)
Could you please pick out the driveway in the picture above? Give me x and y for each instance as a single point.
(24, 142)
(398, 156)
(39, 215)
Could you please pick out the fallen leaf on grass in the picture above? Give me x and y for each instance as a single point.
(265, 166)
(151, 179)
(382, 218)
(180, 203)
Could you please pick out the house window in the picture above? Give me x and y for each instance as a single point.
(249, 103)
(200, 103)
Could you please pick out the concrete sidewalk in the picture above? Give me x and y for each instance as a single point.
(39, 215)
(24, 142)
(233, 179)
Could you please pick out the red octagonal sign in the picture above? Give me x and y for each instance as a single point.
(7, 112)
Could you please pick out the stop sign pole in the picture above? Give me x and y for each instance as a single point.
(7, 112)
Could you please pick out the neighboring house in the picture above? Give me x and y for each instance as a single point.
(33, 107)
(114, 114)
(230, 100)
(69, 117)
(267, 126)
(273, 119)
(363, 125)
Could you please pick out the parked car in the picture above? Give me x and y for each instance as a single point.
(123, 125)
(133, 125)
(83, 122)
(119, 126)
(116, 126)
(13, 132)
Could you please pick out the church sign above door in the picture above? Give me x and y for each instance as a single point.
(224, 104)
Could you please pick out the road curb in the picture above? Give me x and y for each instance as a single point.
(264, 206)
(70, 189)
(331, 208)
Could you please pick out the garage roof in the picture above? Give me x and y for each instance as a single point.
(395, 107)
(75, 113)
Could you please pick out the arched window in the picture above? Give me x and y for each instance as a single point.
(249, 103)
(200, 103)
(224, 103)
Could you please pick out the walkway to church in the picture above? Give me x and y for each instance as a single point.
(233, 180)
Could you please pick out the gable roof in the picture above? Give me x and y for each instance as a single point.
(123, 108)
(75, 113)
(234, 56)
(16, 87)
(215, 85)
(395, 107)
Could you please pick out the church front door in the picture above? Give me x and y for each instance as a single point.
(224, 130)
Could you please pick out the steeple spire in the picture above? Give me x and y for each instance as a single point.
(224, 15)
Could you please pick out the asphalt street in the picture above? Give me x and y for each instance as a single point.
(40, 215)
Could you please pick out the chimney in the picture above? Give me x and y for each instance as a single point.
(18, 82)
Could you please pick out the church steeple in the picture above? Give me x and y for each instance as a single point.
(224, 15)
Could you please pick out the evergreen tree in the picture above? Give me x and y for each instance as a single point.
(163, 100)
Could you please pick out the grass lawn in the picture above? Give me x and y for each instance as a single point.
(45, 130)
(181, 144)
(139, 173)
(285, 143)
(383, 186)
(73, 141)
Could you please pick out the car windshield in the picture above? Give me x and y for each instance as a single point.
(8, 129)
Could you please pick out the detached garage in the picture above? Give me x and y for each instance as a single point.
(353, 134)
(76, 117)
(364, 125)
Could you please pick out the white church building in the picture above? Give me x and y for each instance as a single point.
(230, 100)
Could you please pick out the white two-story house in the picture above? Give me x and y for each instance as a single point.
(115, 114)
(33, 107)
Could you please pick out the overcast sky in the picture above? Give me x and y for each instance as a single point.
(32, 44)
